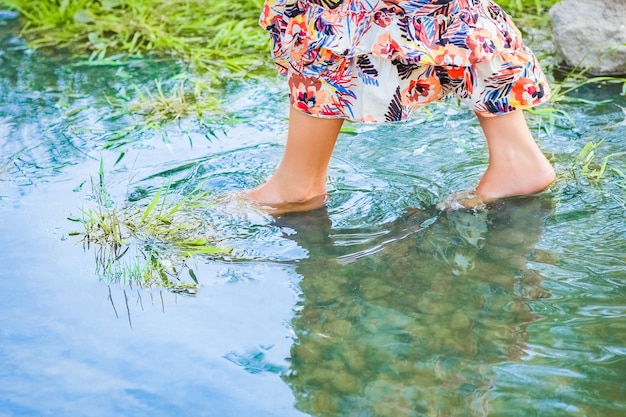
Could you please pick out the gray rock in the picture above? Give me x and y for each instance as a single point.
(591, 34)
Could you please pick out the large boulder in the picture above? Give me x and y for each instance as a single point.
(591, 34)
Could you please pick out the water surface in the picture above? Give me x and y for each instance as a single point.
(378, 305)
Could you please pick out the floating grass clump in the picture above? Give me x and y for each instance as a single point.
(148, 245)
(182, 96)
(593, 169)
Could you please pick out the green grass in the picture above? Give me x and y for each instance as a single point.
(210, 35)
(148, 245)
(213, 40)
(527, 7)
(592, 168)
(182, 96)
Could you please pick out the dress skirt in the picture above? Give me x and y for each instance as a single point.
(378, 60)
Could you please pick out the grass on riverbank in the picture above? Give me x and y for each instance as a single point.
(213, 40)
(210, 35)
(527, 7)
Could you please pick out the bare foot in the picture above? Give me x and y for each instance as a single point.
(517, 179)
(278, 208)
(517, 167)
(520, 176)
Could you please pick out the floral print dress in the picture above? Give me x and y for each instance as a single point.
(378, 60)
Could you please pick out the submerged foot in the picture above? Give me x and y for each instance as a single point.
(276, 201)
(513, 181)
(462, 200)
(517, 180)
(278, 208)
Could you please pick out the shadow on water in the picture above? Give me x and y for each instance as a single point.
(418, 327)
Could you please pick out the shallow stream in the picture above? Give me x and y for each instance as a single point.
(379, 305)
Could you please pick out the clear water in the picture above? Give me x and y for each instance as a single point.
(377, 306)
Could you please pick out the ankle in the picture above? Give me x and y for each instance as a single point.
(521, 177)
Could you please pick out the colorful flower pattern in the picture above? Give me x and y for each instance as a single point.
(378, 60)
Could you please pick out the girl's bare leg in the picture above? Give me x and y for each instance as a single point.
(299, 182)
(516, 164)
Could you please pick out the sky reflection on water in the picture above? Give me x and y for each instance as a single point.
(379, 305)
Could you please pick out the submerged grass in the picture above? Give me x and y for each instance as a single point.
(594, 168)
(151, 245)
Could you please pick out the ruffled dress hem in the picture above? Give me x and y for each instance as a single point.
(376, 61)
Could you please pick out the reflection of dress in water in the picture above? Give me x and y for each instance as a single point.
(378, 60)
(417, 328)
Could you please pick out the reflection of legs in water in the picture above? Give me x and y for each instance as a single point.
(312, 230)
(416, 328)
